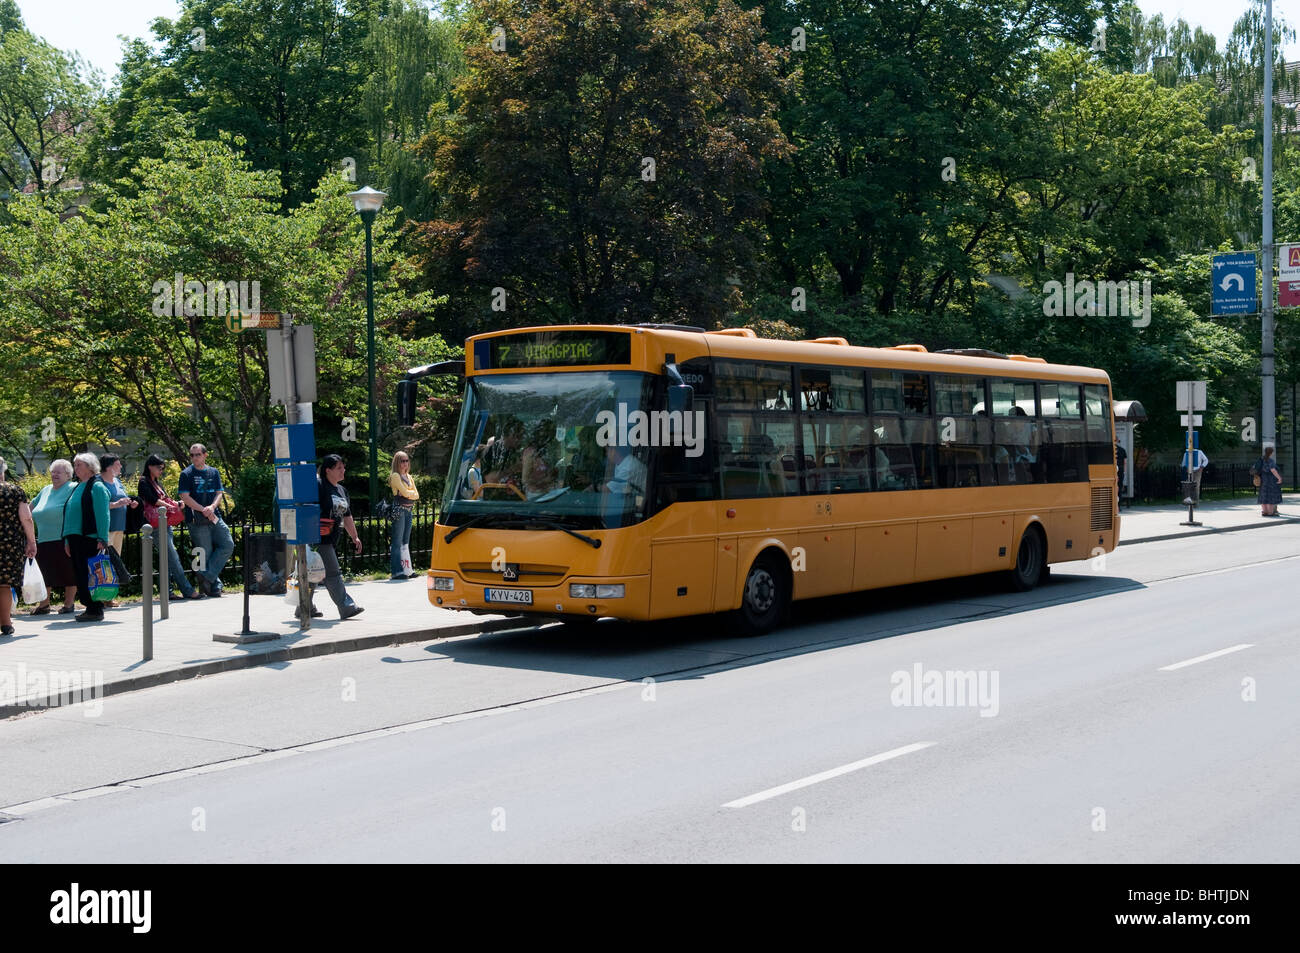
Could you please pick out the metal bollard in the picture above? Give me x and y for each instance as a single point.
(146, 587)
(164, 567)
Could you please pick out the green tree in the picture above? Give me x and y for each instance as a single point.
(90, 329)
(415, 60)
(46, 97)
(603, 162)
(284, 75)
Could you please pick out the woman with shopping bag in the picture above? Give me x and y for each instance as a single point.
(17, 544)
(85, 530)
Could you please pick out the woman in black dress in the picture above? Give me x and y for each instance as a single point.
(17, 544)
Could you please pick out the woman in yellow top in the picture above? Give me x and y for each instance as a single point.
(405, 496)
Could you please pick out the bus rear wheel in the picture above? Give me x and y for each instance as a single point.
(1031, 561)
(764, 600)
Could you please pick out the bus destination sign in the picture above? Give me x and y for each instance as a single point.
(553, 349)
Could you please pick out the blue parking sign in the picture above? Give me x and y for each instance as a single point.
(1232, 281)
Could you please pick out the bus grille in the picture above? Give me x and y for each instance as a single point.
(528, 572)
(1102, 497)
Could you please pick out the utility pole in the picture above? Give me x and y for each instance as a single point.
(1268, 432)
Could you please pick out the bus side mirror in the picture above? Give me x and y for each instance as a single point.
(681, 397)
(406, 397)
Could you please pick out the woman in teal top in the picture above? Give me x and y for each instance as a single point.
(47, 512)
(85, 530)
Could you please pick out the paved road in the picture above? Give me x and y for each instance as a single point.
(1094, 743)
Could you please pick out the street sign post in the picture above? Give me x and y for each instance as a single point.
(1189, 396)
(1232, 280)
(1288, 276)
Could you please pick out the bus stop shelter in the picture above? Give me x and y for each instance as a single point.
(1128, 414)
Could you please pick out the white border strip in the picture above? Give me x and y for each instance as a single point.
(1206, 658)
(827, 775)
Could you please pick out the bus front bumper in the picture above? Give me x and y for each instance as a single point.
(544, 600)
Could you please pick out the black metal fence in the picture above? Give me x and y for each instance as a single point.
(1166, 481)
(376, 539)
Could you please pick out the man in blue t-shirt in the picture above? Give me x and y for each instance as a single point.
(201, 492)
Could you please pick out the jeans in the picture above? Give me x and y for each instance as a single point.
(334, 577)
(401, 537)
(175, 571)
(217, 543)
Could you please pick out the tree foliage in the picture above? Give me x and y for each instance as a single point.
(603, 162)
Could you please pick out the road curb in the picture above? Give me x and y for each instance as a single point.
(1280, 521)
(309, 650)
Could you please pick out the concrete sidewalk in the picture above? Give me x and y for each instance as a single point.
(56, 646)
(1145, 524)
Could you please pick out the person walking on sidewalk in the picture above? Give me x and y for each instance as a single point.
(335, 514)
(85, 529)
(405, 496)
(201, 493)
(1270, 483)
(151, 493)
(1199, 462)
(47, 511)
(17, 545)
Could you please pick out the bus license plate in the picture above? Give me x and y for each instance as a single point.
(516, 596)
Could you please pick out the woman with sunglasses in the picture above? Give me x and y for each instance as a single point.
(150, 492)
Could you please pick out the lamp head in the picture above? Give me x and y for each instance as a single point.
(367, 200)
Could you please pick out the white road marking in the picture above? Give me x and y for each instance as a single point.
(1206, 658)
(827, 775)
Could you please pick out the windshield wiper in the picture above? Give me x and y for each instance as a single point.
(466, 525)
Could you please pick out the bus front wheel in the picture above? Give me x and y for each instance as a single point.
(764, 600)
(1031, 561)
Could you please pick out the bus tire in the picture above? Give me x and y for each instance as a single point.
(765, 598)
(1031, 561)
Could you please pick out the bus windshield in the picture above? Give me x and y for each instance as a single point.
(526, 453)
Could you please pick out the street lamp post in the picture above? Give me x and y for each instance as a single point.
(367, 202)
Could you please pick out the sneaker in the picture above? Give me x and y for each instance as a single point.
(349, 611)
(89, 616)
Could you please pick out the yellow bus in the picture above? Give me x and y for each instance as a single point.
(653, 471)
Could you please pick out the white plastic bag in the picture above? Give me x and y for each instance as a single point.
(406, 560)
(291, 590)
(34, 590)
(315, 567)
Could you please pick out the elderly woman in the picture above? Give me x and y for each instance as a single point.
(85, 529)
(17, 543)
(55, 565)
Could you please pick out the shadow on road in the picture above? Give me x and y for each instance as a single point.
(680, 648)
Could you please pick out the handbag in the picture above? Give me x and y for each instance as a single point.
(174, 514)
(134, 518)
(101, 578)
(119, 565)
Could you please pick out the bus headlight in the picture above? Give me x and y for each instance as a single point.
(610, 592)
(581, 590)
(444, 583)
